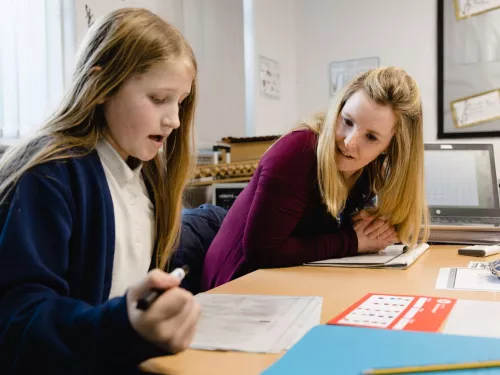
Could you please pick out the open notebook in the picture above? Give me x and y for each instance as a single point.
(394, 256)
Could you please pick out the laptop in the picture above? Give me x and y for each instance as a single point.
(461, 187)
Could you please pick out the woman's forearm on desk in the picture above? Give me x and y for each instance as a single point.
(269, 239)
(294, 251)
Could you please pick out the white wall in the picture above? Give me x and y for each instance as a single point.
(400, 32)
(216, 34)
(100, 7)
(304, 36)
(214, 29)
(274, 23)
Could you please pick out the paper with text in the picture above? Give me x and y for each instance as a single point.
(391, 257)
(479, 265)
(467, 279)
(477, 109)
(469, 8)
(254, 323)
(474, 318)
(399, 312)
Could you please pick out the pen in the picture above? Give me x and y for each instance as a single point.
(432, 368)
(149, 297)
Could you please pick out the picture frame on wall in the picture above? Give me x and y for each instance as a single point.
(468, 74)
(269, 78)
(344, 71)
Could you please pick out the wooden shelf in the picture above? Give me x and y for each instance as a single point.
(225, 172)
(219, 181)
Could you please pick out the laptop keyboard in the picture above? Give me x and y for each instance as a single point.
(458, 220)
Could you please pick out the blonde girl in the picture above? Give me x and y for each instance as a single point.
(90, 205)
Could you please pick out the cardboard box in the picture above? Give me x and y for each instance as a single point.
(249, 148)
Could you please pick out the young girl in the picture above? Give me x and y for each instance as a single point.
(306, 199)
(89, 205)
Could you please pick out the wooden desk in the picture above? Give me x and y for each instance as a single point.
(339, 287)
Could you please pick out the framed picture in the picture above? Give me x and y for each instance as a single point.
(468, 76)
(343, 72)
(269, 78)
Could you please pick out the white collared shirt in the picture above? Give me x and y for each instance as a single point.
(134, 220)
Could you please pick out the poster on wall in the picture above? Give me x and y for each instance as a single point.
(469, 8)
(342, 72)
(269, 78)
(476, 109)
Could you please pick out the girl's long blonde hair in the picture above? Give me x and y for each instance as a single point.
(123, 43)
(398, 178)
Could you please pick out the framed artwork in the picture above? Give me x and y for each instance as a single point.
(269, 78)
(342, 72)
(468, 76)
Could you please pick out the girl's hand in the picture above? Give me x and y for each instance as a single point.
(171, 321)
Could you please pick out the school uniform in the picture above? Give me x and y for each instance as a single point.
(69, 249)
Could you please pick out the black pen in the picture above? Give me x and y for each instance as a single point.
(147, 299)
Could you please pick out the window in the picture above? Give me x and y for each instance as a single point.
(35, 36)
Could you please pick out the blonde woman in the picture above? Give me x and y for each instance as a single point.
(311, 195)
(89, 205)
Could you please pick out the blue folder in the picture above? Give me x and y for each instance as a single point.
(330, 349)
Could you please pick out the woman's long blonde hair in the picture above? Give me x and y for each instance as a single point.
(123, 43)
(398, 178)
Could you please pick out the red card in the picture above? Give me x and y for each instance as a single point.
(402, 312)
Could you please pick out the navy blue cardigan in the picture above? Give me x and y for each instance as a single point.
(57, 240)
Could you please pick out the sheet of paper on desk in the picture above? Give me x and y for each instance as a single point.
(399, 312)
(474, 318)
(313, 317)
(478, 265)
(467, 279)
(382, 257)
(254, 323)
(391, 257)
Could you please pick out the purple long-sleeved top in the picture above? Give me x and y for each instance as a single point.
(279, 219)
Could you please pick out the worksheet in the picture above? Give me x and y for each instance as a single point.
(479, 265)
(456, 278)
(254, 323)
(474, 318)
(393, 256)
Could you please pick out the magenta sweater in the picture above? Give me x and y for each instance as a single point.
(279, 219)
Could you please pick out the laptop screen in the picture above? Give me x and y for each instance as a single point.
(460, 177)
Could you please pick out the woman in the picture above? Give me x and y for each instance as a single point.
(306, 200)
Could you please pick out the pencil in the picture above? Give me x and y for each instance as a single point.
(432, 368)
